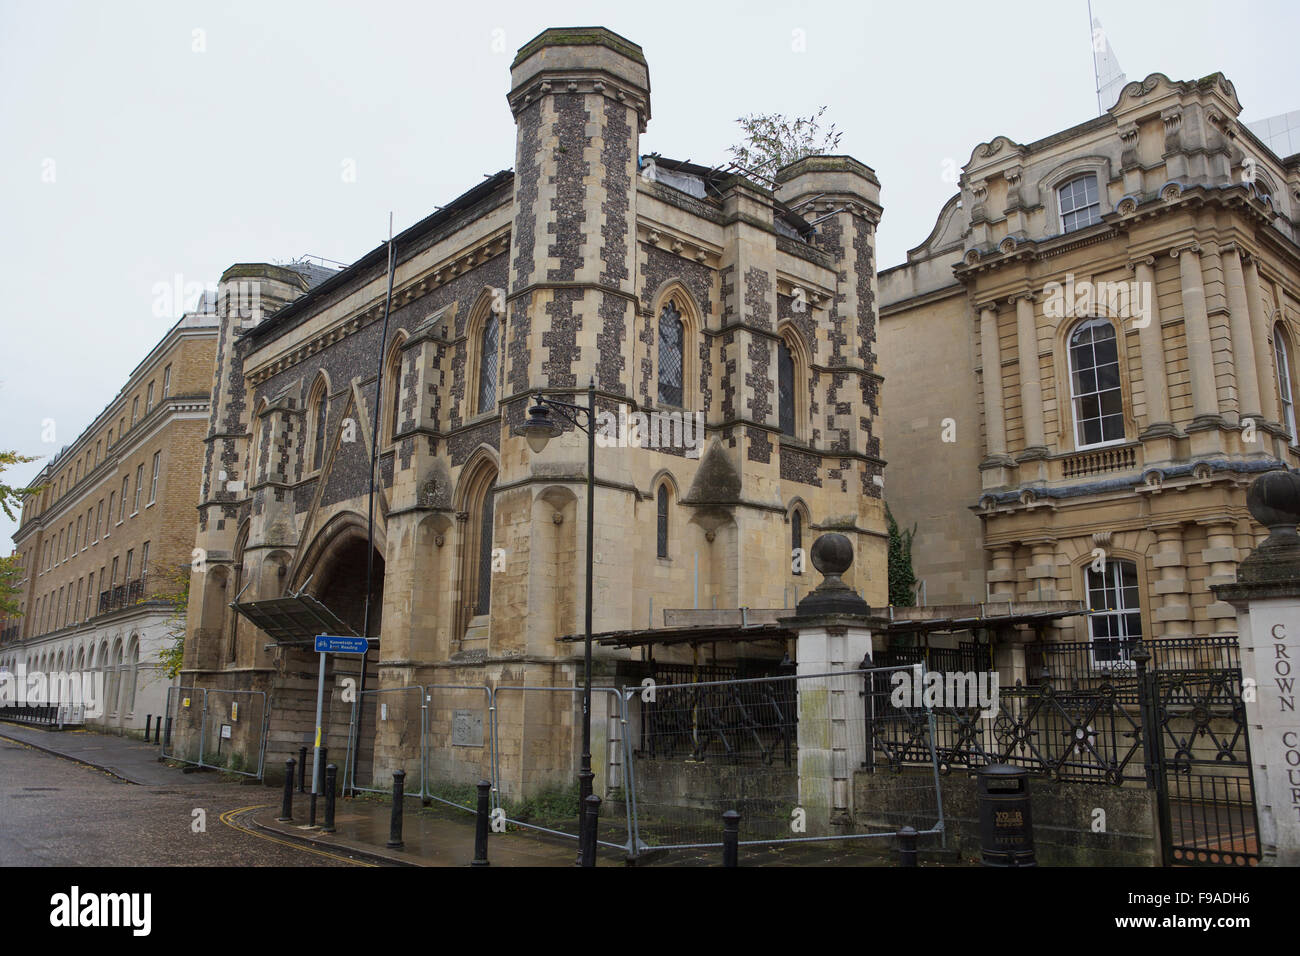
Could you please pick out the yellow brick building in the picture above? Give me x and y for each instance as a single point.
(1090, 358)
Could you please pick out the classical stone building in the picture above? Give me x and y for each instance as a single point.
(1092, 355)
(680, 291)
(113, 517)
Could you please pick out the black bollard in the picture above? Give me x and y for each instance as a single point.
(167, 735)
(587, 832)
(148, 722)
(331, 778)
(395, 823)
(286, 806)
(481, 825)
(730, 838)
(302, 769)
(907, 846)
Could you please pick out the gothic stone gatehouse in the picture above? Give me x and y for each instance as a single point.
(677, 289)
(1116, 309)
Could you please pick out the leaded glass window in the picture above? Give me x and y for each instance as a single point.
(796, 539)
(785, 387)
(318, 447)
(488, 358)
(483, 603)
(1094, 384)
(663, 521)
(671, 359)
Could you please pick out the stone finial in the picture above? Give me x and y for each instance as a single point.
(832, 555)
(1274, 501)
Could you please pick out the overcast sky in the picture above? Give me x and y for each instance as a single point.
(181, 137)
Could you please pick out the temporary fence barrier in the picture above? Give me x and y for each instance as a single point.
(398, 715)
(217, 728)
(551, 758)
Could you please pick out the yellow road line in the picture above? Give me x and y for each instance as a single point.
(228, 819)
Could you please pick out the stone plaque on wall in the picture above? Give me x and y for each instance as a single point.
(467, 728)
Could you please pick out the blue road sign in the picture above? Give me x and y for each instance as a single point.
(332, 644)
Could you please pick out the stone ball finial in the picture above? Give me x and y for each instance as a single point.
(832, 553)
(1274, 500)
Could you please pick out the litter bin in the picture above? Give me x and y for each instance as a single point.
(1006, 828)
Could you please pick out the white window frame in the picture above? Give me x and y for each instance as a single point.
(1282, 364)
(153, 484)
(1079, 444)
(1061, 212)
(1120, 612)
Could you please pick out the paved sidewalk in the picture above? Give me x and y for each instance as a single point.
(438, 836)
(132, 760)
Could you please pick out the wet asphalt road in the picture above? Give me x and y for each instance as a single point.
(54, 812)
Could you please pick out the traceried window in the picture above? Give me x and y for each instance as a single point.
(662, 518)
(785, 387)
(1284, 383)
(1079, 204)
(1115, 623)
(488, 357)
(671, 356)
(1094, 384)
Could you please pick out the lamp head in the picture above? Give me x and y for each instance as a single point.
(540, 427)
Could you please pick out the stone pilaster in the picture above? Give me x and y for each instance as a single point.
(1031, 385)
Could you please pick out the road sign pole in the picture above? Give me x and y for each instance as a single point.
(320, 698)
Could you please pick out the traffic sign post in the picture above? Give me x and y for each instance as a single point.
(329, 644)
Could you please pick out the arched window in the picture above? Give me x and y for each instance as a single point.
(1284, 382)
(1115, 621)
(785, 387)
(393, 373)
(662, 519)
(1094, 384)
(318, 410)
(489, 357)
(483, 597)
(672, 361)
(796, 541)
(132, 676)
(1079, 203)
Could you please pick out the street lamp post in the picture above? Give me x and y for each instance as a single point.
(538, 430)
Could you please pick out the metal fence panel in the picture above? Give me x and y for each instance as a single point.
(183, 724)
(537, 734)
(234, 731)
(395, 717)
(459, 743)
